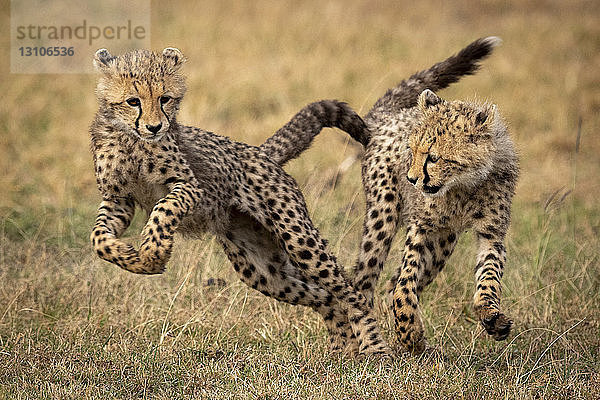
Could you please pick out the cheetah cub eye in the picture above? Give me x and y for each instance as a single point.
(433, 158)
(165, 99)
(133, 102)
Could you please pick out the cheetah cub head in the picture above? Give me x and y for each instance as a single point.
(140, 91)
(453, 144)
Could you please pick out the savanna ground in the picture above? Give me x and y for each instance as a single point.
(72, 326)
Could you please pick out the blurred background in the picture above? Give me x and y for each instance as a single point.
(251, 66)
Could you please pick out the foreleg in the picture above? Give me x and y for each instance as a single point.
(441, 244)
(488, 273)
(407, 314)
(379, 228)
(114, 217)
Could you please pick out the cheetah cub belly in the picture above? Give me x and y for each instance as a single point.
(189, 180)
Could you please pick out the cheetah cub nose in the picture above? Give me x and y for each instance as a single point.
(154, 128)
(412, 180)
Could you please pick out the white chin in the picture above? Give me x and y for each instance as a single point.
(154, 137)
(432, 195)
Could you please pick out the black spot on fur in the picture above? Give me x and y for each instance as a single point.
(305, 255)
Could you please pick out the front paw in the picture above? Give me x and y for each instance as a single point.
(496, 324)
(119, 253)
(128, 258)
(154, 256)
(410, 334)
(347, 347)
(413, 341)
(113, 250)
(379, 351)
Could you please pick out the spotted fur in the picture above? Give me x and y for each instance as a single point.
(189, 180)
(437, 168)
(461, 171)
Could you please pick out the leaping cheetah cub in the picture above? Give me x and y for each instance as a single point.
(438, 168)
(189, 180)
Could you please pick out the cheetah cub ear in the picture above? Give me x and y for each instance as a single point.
(103, 60)
(428, 99)
(486, 116)
(174, 57)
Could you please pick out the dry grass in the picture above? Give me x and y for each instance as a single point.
(74, 327)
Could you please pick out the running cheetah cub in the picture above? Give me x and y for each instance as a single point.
(438, 168)
(190, 181)
(461, 170)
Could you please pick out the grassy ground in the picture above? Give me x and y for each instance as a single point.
(72, 326)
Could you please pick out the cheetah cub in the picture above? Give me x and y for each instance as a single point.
(190, 181)
(438, 168)
(461, 170)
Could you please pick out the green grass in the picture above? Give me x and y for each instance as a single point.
(72, 326)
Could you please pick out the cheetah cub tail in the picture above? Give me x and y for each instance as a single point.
(297, 135)
(437, 77)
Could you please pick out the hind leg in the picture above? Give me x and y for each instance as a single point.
(383, 202)
(283, 212)
(322, 269)
(262, 265)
